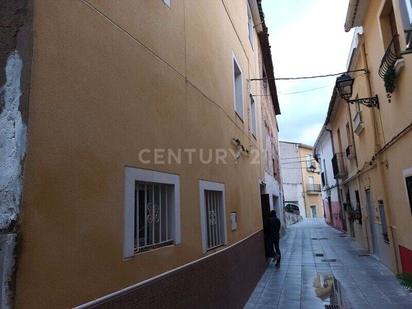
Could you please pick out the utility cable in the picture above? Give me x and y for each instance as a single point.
(310, 77)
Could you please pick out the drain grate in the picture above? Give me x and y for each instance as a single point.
(332, 307)
(319, 238)
(343, 235)
(329, 260)
(319, 254)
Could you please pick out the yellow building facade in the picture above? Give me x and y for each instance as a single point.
(372, 144)
(311, 183)
(143, 166)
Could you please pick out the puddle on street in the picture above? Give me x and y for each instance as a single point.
(330, 291)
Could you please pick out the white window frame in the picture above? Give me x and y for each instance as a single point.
(131, 175)
(253, 117)
(236, 63)
(212, 186)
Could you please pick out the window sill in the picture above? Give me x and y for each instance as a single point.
(154, 248)
(214, 249)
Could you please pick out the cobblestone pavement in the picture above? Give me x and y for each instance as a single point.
(361, 281)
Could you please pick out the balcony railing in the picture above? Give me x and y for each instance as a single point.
(392, 54)
(313, 188)
(339, 169)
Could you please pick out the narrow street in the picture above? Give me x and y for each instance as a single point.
(361, 281)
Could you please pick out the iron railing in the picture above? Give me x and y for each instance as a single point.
(339, 169)
(392, 54)
(313, 188)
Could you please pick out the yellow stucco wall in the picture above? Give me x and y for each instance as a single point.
(391, 119)
(110, 78)
(310, 199)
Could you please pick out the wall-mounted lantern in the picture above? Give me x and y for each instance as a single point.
(344, 84)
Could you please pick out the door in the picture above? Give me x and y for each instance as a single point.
(313, 210)
(265, 203)
(372, 226)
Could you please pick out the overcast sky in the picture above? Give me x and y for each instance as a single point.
(307, 38)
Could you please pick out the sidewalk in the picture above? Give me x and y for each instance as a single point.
(361, 281)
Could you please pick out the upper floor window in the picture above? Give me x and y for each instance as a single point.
(388, 26)
(167, 2)
(309, 163)
(253, 125)
(406, 11)
(250, 26)
(151, 212)
(238, 88)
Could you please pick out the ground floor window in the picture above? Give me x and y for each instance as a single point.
(154, 209)
(151, 211)
(213, 215)
(409, 190)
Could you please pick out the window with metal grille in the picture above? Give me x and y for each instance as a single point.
(151, 210)
(154, 215)
(213, 216)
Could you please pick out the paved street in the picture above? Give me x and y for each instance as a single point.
(361, 281)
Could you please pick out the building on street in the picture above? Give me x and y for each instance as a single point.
(372, 135)
(331, 200)
(133, 134)
(301, 179)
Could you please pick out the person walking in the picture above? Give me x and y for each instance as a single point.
(274, 229)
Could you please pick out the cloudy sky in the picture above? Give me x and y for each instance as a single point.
(307, 38)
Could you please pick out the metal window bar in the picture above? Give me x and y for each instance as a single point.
(214, 219)
(150, 206)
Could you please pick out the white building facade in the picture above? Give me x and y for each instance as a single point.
(291, 171)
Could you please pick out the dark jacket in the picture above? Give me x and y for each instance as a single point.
(274, 227)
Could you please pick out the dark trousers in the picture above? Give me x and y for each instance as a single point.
(277, 250)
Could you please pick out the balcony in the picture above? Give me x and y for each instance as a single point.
(390, 57)
(339, 169)
(387, 68)
(350, 152)
(313, 188)
(358, 123)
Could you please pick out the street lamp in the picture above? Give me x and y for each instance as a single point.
(344, 84)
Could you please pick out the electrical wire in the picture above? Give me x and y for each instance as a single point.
(304, 91)
(310, 77)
